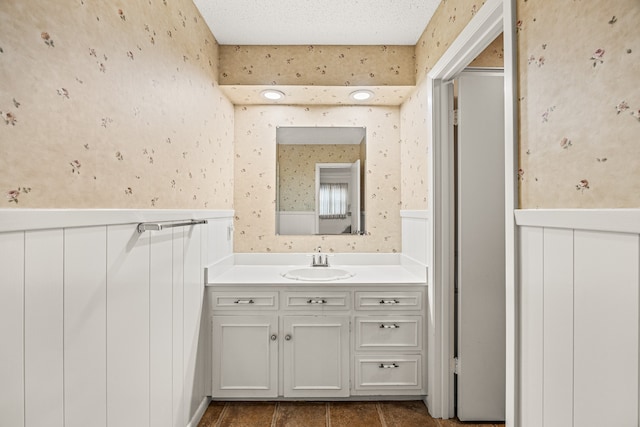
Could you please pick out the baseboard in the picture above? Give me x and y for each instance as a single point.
(200, 412)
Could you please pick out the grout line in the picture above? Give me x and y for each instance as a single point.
(380, 414)
(274, 418)
(222, 415)
(328, 414)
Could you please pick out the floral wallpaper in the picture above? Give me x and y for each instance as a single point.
(297, 171)
(448, 21)
(255, 177)
(317, 65)
(579, 104)
(112, 105)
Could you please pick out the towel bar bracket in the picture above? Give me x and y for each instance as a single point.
(154, 226)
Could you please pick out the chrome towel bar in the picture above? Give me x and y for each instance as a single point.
(154, 226)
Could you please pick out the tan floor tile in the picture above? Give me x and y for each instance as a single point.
(407, 414)
(212, 414)
(301, 414)
(354, 414)
(248, 414)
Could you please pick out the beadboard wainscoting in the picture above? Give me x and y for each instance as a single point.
(101, 325)
(416, 239)
(579, 317)
(416, 244)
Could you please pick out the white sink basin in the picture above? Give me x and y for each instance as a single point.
(317, 274)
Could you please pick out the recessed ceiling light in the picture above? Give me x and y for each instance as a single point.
(272, 95)
(361, 95)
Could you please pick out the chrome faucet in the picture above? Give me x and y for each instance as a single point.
(318, 262)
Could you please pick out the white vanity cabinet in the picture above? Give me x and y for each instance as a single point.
(316, 356)
(245, 356)
(302, 342)
(388, 344)
(261, 350)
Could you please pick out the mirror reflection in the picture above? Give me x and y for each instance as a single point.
(320, 180)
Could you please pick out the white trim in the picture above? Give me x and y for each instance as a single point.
(202, 408)
(417, 214)
(492, 18)
(485, 26)
(38, 219)
(511, 159)
(611, 220)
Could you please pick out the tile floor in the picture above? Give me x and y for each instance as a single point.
(325, 414)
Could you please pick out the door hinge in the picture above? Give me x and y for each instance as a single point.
(455, 117)
(455, 365)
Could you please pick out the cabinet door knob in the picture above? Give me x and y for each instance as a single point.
(394, 326)
(389, 301)
(287, 337)
(388, 365)
(274, 337)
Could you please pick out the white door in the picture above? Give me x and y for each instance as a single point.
(481, 247)
(245, 356)
(316, 356)
(354, 197)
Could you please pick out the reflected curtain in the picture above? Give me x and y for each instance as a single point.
(332, 201)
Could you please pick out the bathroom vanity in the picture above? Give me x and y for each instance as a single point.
(276, 337)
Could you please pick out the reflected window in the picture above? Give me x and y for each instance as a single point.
(333, 200)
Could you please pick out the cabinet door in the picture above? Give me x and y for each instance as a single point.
(316, 356)
(245, 356)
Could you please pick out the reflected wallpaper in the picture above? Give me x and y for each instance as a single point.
(297, 169)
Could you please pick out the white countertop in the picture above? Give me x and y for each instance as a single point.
(272, 275)
(261, 273)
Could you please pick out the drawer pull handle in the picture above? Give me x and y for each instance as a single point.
(317, 301)
(389, 301)
(244, 301)
(394, 326)
(388, 365)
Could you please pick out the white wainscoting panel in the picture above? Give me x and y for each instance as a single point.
(579, 318)
(127, 326)
(416, 239)
(160, 328)
(558, 328)
(43, 328)
(193, 300)
(85, 326)
(12, 329)
(100, 325)
(531, 324)
(180, 414)
(606, 328)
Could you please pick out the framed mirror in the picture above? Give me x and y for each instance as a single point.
(320, 180)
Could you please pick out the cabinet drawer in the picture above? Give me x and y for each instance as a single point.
(388, 372)
(244, 300)
(389, 300)
(388, 333)
(316, 300)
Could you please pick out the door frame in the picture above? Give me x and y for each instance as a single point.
(494, 17)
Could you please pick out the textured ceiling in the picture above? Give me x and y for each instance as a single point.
(317, 22)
